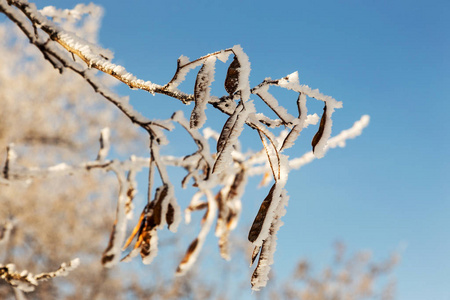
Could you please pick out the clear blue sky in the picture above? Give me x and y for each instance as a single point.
(388, 59)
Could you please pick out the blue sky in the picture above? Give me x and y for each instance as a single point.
(389, 188)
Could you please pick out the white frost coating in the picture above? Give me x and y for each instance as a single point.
(244, 72)
(76, 13)
(354, 131)
(223, 56)
(75, 263)
(291, 82)
(27, 282)
(95, 56)
(268, 133)
(170, 197)
(183, 60)
(210, 133)
(336, 141)
(66, 268)
(153, 251)
(311, 120)
(59, 167)
(273, 209)
(300, 123)
(261, 273)
(194, 202)
(319, 149)
(204, 79)
(183, 267)
(133, 253)
(303, 109)
(270, 100)
(184, 67)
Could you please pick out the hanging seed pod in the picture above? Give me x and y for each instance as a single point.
(170, 214)
(227, 129)
(201, 92)
(188, 256)
(258, 223)
(319, 133)
(232, 79)
(161, 193)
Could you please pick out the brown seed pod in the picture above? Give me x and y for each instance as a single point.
(201, 94)
(161, 193)
(232, 79)
(227, 129)
(188, 256)
(257, 225)
(319, 133)
(170, 214)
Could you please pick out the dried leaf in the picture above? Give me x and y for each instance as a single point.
(229, 136)
(135, 231)
(188, 255)
(223, 245)
(201, 93)
(170, 214)
(257, 225)
(261, 272)
(227, 129)
(106, 257)
(161, 193)
(239, 179)
(232, 79)
(149, 237)
(319, 133)
(198, 206)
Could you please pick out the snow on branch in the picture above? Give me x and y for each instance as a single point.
(336, 141)
(26, 281)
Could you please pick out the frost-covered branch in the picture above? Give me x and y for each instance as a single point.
(26, 281)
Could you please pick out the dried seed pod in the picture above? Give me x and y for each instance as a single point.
(239, 179)
(319, 133)
(170, 214)
(225, 133)
(227, 129)
(149, 244)
(160, 195)
(232, 79)
(257, 225)
(188, 256)
(136, 230)
(201, 92)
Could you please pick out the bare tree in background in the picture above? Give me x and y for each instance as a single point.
(56, 181)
